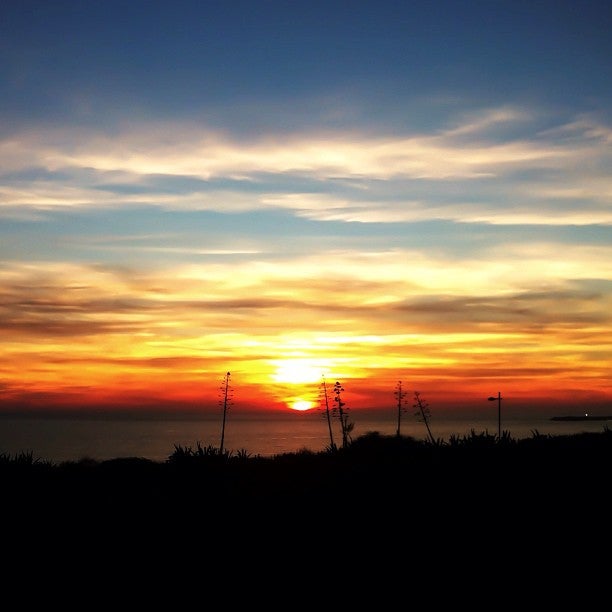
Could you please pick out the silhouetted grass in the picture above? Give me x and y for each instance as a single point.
(23, 458)
(376, 477)
(383, 501)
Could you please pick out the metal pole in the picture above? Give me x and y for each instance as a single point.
(499, 415)
(498, 398)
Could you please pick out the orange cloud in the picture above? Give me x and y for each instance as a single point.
(93, 335)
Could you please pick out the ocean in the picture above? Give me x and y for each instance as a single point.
(59, 439)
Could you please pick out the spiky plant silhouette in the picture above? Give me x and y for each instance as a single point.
(423, 413)
(225, 401)
(327, 412)
(341, 412)
(400, 395)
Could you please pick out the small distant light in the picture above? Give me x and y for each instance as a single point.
(586, 414)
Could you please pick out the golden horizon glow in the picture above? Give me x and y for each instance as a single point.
(148, 338)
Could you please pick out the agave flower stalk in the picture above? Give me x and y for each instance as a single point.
(342, 413)
(424, 413)
(328, 413)
(401, 404)
(225, 402)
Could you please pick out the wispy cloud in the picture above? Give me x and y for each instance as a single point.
(196, 152)
(469, 172)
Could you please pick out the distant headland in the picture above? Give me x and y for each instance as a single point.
(583, 417)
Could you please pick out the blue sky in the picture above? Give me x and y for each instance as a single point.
(359, 165)
(192, 57)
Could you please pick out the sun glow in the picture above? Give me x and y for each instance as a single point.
(302, 405)
(297, 371)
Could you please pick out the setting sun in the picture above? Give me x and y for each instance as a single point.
(302, 405)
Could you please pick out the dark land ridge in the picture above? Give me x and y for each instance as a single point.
(380, 505)
(584, 417)
(374, 470)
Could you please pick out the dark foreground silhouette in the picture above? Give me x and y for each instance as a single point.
(383, 506)
(375, 475)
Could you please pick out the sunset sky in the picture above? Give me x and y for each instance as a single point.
(363, 191)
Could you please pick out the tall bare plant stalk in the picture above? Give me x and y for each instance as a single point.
(328, 413)
(225, 402)
(424, 413)
(342, 413)
(401, 404)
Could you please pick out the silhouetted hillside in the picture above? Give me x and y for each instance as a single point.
(374, 470)
(381, 504)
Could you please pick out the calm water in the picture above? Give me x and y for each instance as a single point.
(71, 439)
